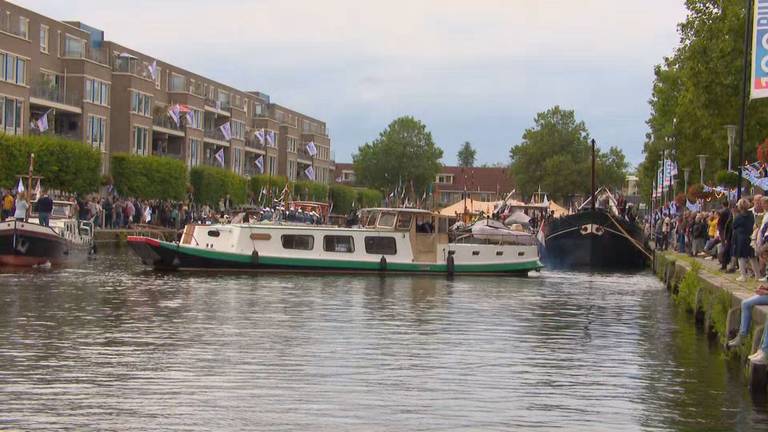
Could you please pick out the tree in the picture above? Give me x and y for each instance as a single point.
(697, 91)
(467, 155)
(556, 155)
(149, 177)
(403, 154)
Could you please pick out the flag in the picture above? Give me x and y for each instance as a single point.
(545, 203)
(311, 148)
(271, 138)
(173, 112)
(190, 118)
(42, 122)
(20, 187)
(310, 172)
(540, 236)
(153, 70)
(220, 157)
(260, 164)
(38, 190)
(260, 136)
(226, 130)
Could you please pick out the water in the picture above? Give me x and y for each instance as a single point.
(112, 346)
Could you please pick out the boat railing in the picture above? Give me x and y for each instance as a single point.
(516, 239)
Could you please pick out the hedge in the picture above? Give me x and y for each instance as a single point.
(212, 184)
(368, 198)
(68, 166)
(343, 197)
(149, 177)
(310, 191)
(261, 183)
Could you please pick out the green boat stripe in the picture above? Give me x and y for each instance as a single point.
(352, 265)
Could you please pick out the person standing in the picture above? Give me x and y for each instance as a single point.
(21, 206)
(743, 225)
(44, 209)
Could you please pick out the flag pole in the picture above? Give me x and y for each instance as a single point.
(744, 91)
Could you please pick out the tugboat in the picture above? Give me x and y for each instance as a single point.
(595, 237)
(28, 244)
(387, 240)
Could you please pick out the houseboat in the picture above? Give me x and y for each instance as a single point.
(385, 240)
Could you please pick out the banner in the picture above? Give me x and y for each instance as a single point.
(759, 83)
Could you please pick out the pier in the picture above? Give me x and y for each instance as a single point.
(714, 300)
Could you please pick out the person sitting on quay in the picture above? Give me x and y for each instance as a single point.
(760, 298)
(44, 209)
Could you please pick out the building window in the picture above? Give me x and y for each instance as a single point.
(177, 83)
(258, 109)
(300, 242)
(157, 77)
(97, 91)
(14, 68)
(74, 47)
(43, 38)
(24, 27)
(380, 245)
(444, 178)
(194, 152)
(272, 165)
(292, 144)
(197, 119)
(238, 129)
(140, 140)
(141, 103)
(338, 244)
(237, 160)
(96, 131)
(291, 170)
(10, 115)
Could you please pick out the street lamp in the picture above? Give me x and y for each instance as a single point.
(686, 173)
(702, 163)
(731, 139)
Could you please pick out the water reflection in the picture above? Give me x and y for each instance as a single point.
(112, 346)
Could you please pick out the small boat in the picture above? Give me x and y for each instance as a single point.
(595, 237)
(65, 241)
(386, 240)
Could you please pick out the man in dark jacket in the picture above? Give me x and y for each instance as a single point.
(724, 229)
(44, 209)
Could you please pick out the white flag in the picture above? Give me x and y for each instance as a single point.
(271, 138)
(260, 164)
(311, 148)
(226, 130)
(42, 122)
(310, 172)
(220, 157)
(38, 190)
(153, 70)
(174, 112)
(260, 136)
(20, 187)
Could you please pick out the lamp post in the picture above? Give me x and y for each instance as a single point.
(702, 163)
(686, 174)
(663, 195)
(731, 139)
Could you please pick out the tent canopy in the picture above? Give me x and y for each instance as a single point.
(473, 206)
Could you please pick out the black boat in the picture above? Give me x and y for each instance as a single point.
(595, 237)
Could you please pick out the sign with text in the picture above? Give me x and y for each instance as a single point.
(759, 86)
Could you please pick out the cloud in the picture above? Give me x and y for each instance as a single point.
(476, 71)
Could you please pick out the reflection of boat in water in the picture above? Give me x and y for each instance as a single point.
(387, 240)
(28, 244)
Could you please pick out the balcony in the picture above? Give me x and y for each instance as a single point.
(219, 105)
(98, 55)
(165, 122)
(217, 135)
(252, 142)
(54, 96)
(14, 26)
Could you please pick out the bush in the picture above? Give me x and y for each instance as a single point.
(262, 182)
(310, 191)
(727, 178)
(343, 197)
(212, 184)
(149, 177)
(368, 198)
(68, 166)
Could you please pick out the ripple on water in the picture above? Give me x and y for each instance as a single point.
(112, 346)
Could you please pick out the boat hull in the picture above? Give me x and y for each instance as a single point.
(28, 245)
(172, 256)
(594, 240)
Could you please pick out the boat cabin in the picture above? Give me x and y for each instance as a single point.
(426, 229)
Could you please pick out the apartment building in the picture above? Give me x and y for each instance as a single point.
(119, 99)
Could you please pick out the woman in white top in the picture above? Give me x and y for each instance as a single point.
(21, 206)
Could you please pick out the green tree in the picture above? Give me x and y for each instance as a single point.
(467, 155)
(556, 155)
(404, 153)
(149, 177)
(211, 184)
(697, 91)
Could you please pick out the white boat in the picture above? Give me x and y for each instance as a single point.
(28, 244)
(387, 240)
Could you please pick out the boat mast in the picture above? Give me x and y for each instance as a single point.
(29, 176)
(593, 175)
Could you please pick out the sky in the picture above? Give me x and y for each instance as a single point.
(475, 71)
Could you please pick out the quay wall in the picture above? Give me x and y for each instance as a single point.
(106, 236)
(713, 300)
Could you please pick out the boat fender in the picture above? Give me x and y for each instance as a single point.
(176, 261)
(383, 264)
(451, 265)
(93, 249)
(255, 257)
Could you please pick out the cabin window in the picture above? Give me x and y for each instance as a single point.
(371, 222)
(339, 244)
(213, 233)
(404, 221)
(300, 242)
(442, 225)
(380, 245)
(387, 220)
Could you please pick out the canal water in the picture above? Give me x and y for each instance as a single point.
(112, 346)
